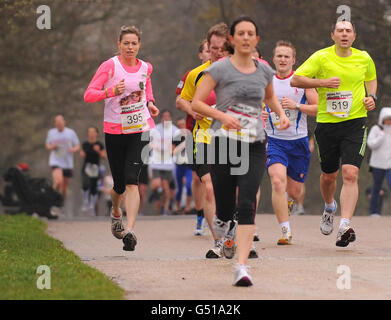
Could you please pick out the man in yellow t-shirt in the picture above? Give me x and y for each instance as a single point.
(216, 38)
(345, 79)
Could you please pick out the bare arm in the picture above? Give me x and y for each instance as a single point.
(272, 102)
(308, 83)
(371, 87)
(185, 106)
(310, 109)
(198, 104)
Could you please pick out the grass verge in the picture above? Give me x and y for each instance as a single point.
(24, 246)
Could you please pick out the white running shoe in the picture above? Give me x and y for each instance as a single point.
(286, 237)
(220, 227)
(229, 242)
(117, 228)
(326, 222)
(241, 276)
(345, 235)
(217, 251)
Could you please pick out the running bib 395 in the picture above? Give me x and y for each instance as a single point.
(339, 103)
(133, 118)
(248, 117)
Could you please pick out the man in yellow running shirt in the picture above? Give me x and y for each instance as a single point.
(345, 79)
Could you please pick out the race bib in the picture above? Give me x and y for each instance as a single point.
(133, 118)
(291, 115)
(339, 103)
(92, 170)
(248, 117)
(61, 151)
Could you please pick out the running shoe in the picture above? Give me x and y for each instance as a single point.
(117, 228)
(345, 235)
(229, 242)
(220, 227)
(253, 252)
(291, 203)
(326, 222)
(256, 236)
(298, 210)
(286, 237)
(199, 231)
(241, 276)
(217, 251)
(129, 241)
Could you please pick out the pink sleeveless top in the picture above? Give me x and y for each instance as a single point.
(135, 84)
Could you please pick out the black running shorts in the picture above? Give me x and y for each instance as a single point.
(341, 143)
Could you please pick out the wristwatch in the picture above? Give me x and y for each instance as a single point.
(373, 96)
(298, 106)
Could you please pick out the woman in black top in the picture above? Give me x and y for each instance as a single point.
(92, 151)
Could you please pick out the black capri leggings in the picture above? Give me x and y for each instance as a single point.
(124, 155)
(248, 181)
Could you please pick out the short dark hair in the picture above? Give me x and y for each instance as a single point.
(335, 24)
(241, 19)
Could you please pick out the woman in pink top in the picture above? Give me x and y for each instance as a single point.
(124, 83)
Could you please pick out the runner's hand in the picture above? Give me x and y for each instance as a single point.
(284, 122)
(120, 88)
(153, 110)
(231, 123)
(287, 103)
(197, 116)
(265, 115)
(332, 83)
(96, 148)
(369, 103)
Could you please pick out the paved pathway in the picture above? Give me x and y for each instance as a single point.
(169, 262)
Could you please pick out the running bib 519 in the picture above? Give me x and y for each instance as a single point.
(339, 103)
(133, 118)
(248, 117)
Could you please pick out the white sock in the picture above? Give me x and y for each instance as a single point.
(344, 221)
(330, 205)
(286, 225)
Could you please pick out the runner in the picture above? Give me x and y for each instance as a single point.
(241, 84)
(191, 117)
(216, 38)
(62, 142)
(161, 161)
(127, 90)
(342, 75)
(288, 154)
(92, 151)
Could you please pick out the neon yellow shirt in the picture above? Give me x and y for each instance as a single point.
(200, 131)
(353, 71)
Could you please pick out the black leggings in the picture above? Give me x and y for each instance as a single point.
(247, 181)
(124, 155)
(89, 184)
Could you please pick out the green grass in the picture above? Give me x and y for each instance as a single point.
(24, 246)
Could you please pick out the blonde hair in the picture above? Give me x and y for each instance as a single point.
(283, 43)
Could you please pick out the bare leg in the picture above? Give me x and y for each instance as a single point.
(209, 202)
(116, 203)
(132, 203)
(349, 191)
(328, 185)
(278, 179)
(244, 236)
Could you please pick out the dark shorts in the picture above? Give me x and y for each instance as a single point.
(68, 173)
(200, 162)
(144, 177)
(341, 143)
(163, 174)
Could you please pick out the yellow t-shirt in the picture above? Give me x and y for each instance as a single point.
(194, 78)
(346, 102)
